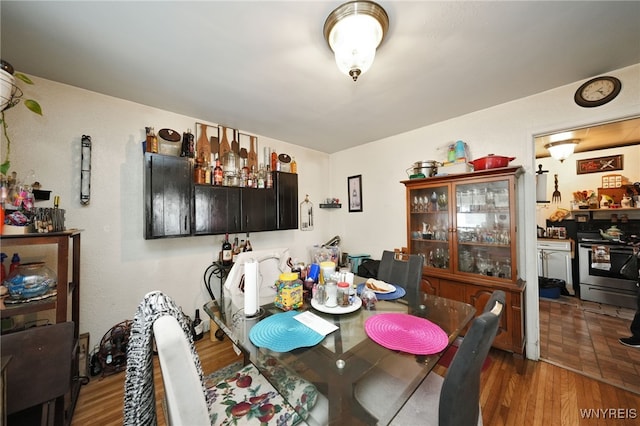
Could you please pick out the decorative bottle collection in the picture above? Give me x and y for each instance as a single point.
(216, 161)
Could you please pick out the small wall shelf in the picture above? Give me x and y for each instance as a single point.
(330, 206)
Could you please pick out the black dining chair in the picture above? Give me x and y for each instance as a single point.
(403, 269)
(451, 400)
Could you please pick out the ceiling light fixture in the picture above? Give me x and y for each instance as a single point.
(561, 150)
(354, 31)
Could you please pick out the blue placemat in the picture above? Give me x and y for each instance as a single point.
(399, 293)
(283, 333)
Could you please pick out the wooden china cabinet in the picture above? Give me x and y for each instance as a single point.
(465, 227)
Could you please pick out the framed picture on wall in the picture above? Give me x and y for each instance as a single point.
(354, 190)
(599, 164)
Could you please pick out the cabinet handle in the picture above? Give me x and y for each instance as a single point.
(185, 222)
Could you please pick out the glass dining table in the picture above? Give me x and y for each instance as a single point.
(336, 364)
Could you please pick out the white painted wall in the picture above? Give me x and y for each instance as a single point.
(506, 129)
(119, 266)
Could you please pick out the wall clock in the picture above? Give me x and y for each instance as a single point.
(597, 91)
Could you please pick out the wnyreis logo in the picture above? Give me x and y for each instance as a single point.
(608, 413)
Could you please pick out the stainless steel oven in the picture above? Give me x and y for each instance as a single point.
(602, 281)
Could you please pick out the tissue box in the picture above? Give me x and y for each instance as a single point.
(456, 167)
(16, 230)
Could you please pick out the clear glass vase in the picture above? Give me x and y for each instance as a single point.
(30, 280)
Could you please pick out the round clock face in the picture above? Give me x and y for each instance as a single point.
(598, 91)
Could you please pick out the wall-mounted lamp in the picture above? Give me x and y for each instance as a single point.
(561, 150)
(354, 31)
(85, 171)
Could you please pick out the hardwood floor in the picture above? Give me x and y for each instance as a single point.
(544, 394)
(102, 400)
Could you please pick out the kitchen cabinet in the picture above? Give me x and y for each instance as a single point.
(286, 186)
(65, 304)
(258, 212)
(217, 210)
(168, 196)
(465, 225)
(176, 207)
(555, 261)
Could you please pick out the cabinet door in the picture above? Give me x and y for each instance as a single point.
(258, 210)
(557, 264)
(478, 297)
(485, 228)
(216, 210)
(430, 227)
(286, 186)
(168, 183)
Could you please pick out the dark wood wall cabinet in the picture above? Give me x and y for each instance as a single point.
(24, 388)
(465, 227)
(176, 207)
(167, 196)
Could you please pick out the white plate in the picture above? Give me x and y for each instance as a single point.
(391, 290)
(338, 309)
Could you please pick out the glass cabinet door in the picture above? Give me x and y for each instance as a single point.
(484, 228)
(430, 225)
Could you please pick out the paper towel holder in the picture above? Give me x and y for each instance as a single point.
(541, 179)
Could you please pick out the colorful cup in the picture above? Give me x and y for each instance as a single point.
(314, 272)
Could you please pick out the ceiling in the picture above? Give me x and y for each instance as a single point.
(602, 136)
(265, 68)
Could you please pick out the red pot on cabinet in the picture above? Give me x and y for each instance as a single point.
(491, 162)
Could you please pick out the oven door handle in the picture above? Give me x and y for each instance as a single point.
(611, 250)
(627, 252)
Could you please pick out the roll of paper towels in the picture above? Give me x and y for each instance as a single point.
(251, 287)
(541, 187)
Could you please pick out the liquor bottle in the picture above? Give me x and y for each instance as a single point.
(262, 177)
(274, 161)
(227, 254)
(152, 140)
(3, 271)
(188, 145)
(254, 177)
(15, 262)
(269, 182)
(217, 174)
(198, 326)
(294, 166)
(192, 144)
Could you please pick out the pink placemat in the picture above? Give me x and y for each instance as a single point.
(406, 333)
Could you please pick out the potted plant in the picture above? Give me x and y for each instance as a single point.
(10, 96)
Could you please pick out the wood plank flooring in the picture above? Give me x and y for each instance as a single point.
(544, 394)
